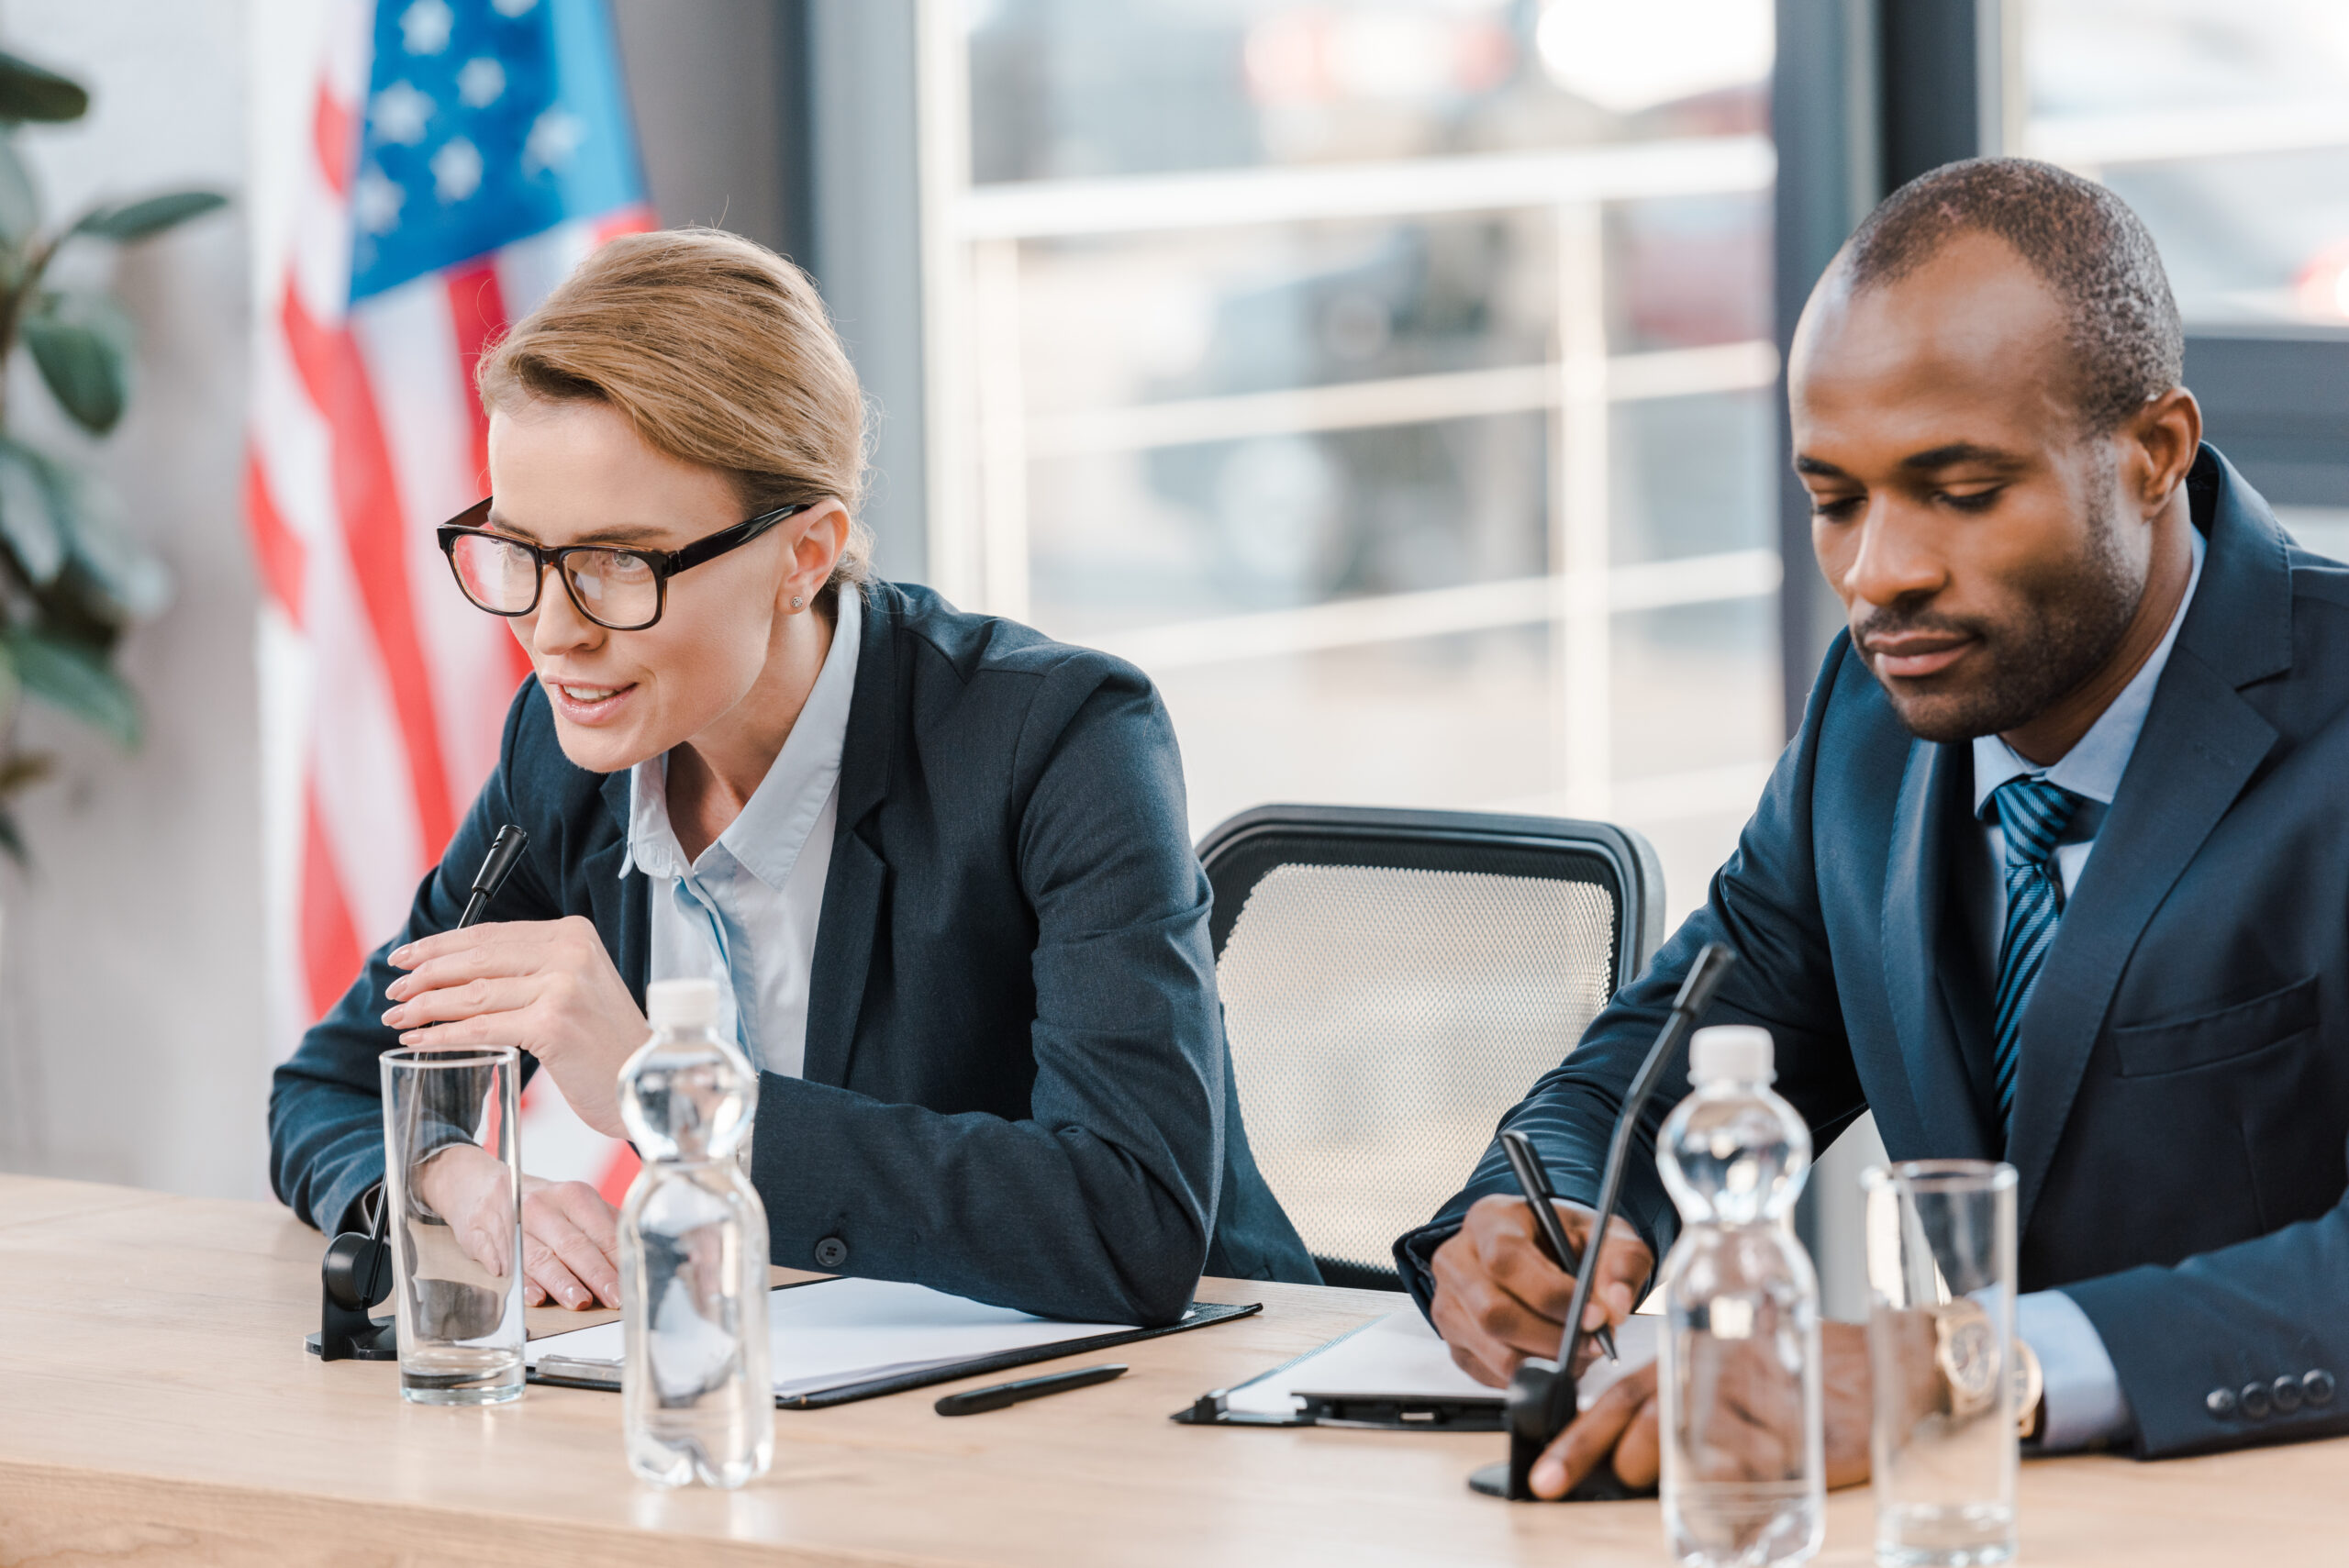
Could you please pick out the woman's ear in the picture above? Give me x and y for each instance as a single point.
(815, 538)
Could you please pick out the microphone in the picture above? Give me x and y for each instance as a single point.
(1541, 1396)
(356, 1272)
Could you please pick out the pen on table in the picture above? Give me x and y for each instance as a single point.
(1534, 1182)
(972, 1401)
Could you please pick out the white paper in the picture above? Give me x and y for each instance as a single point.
(1399, 1354)
(837, 1332)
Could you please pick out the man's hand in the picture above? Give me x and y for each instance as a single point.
(547, 986)
(1499, 1299)
(1749, 1410)
(569, 1235)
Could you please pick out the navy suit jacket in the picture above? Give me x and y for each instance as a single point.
(1016, 1083)
(2181, 1120)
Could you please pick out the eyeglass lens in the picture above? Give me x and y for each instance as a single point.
(617, 587)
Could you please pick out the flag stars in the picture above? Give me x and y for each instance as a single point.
(424, 26)
(554, 137)
(456, 169)
(375, 202)
(399, 113)
(479, 82)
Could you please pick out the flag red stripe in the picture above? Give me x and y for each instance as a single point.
(331, 951)
(330, 130)
(368, 501)
(620, 1173)
(477, 311)
(277, 548)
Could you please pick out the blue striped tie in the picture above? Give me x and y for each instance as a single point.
(2031, 813)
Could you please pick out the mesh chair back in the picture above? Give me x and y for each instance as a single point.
(1394, 981)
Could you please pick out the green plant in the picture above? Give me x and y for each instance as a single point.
(69, 584)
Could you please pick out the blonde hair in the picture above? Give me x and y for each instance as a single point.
(719, 352)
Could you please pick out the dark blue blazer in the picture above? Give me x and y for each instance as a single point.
(2181, 1122)
(1016, 1083)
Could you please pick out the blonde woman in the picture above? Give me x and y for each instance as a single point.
(938, 864)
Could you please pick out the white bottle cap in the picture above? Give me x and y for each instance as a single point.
(682, 1003)
(1740, 1052)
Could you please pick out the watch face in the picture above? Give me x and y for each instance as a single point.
(1969, 1360)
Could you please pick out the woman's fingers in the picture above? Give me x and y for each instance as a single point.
(447, 1004)
(479, 953)
(547, 1268)
(567, 1217)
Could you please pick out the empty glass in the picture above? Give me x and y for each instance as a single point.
(453, 1179)
(1940, 1255)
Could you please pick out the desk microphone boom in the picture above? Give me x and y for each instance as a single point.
(1540, 1399)
(356, 1272)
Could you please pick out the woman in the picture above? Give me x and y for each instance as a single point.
(938, 864)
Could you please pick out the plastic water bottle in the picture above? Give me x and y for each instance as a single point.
(696, 1401)
(1744, 1470)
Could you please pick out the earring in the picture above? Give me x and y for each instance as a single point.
(795, 601)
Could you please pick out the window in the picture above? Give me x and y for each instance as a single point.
(1392, 381)
(2225, 124)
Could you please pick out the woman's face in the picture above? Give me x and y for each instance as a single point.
(576, 472)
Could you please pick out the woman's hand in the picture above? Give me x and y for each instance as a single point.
(547, 986)
(569, 1235)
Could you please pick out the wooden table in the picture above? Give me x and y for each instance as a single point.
(156, 1407)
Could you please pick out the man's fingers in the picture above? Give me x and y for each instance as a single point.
(1473, 1310)
(1639, 1453)
(1592, 1435)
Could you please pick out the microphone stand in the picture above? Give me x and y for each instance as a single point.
(356, 1272)
(1541, 1396)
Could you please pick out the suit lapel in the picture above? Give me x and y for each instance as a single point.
(628, 932)
(1916, 896)
(856, 882)
(2201, 744)
(2206, 742)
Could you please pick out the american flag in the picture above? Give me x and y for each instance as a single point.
(465, 154)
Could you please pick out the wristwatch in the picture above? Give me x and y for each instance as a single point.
(1966, 1351)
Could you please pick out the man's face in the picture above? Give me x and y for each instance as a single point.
(1974, 531)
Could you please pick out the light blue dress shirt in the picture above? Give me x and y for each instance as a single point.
(744, 912)
(2085, 1402)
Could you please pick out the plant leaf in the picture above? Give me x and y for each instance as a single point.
(83, 347)
(32, 526)
(19, 205)
(152, 214)
(75, 680)
(30, 92)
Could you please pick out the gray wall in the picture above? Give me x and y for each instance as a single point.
(131, 1043)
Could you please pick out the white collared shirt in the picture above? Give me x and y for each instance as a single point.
(2091, 770)
(744, 912)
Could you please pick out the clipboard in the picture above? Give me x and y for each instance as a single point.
(1392, 1374)
(556, 1369)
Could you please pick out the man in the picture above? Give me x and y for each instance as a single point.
(2056, 872)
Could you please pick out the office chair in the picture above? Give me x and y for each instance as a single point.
(1393, 981)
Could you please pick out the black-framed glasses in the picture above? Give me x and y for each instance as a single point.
(618, 588)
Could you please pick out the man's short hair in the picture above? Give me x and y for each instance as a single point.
(2128, 343)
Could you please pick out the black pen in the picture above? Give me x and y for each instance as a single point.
(1534, 1182)
(972, 1401)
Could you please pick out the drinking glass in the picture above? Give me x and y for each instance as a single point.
(1940, 1259)
(451, 1134)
